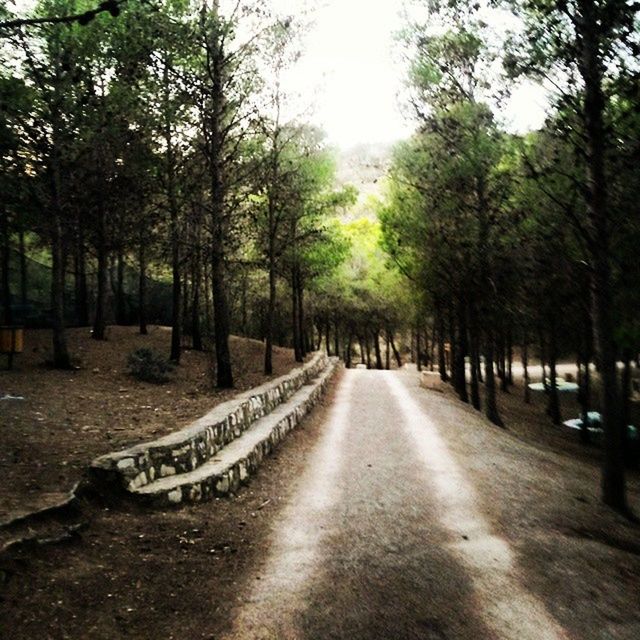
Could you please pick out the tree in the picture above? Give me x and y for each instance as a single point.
(589, 45)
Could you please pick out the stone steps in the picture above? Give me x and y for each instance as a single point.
(185, 465)
(238, 460)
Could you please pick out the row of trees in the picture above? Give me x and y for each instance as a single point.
(525, 240)
(160, 135)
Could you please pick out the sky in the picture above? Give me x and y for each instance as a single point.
(349, 78)
(352, 73)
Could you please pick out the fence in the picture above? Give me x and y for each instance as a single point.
(31, 295)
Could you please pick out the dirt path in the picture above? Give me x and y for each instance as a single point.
(392, 533)
(393, 512)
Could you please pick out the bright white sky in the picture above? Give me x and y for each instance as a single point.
(350, 73)
(349, 81)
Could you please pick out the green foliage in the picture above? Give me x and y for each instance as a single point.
(147, 365)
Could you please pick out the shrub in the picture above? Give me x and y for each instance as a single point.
(149, 366)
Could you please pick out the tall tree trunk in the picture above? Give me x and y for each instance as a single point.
(474, 364)
(347, 353)
(502, 363)
(142, 287)
(554, 401)
(452, 346)
(120, 304)
(172, 203)
(295, 321)
(442, 359)
(214, 116)
(396, 353)
(525, 367)
(7, 316)
(61, 359)
(418, 349)
(305, 347)
(208, 303)
(584, 393)
(491, 405)
(387, 353)
(82, 297)
(99, 321)
(376, 348)
(625, 403)
(543, 360)
(432, 347)
(591, 69)
(196, 325)
(509, 356)
(336, 337)
(23, 267)
(460, 368)
(327, 335)
(367, 346)
(271, 309)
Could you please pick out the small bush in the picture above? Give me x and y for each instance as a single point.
(149, 366)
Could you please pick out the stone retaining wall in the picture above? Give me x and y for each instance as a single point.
(239, 473)
(185, 450)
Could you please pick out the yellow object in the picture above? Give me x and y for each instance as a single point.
(11, 339)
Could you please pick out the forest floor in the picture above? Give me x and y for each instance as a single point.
(531, 423)
(67, 418)
(421, 520)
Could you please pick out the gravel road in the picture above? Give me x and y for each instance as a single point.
(397, 529)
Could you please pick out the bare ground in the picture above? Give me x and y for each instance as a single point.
(67, 418)
(192, 573)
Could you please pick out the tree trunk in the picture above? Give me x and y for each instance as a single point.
(327, 336)
(460, 368)
(502, 364)
(396, 354)
(442, 361)
(584, 383)
(543, 360)
(120, 305)
(474, 366)
(61, 359)
(591, 69)
(302, 331)
(271, 310)
(7, 316)
(525, 367)
(554, 401)
(295, 322)
(387, 353)
(142, 287)
(99, 321)
(509, 357)
(417, 343)
(367, 346)
(625, 404)
(432, 347)
(82, 297)
(221, 322)
(214, 115)
(23, 268)
(491, 405)
(196, 328)
(176, 285)
(376, 348)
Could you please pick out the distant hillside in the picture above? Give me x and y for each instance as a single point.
(363, 166)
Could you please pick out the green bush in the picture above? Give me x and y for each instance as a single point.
(149, 366)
